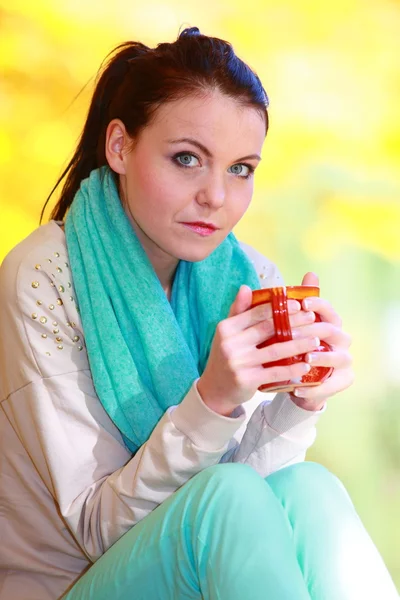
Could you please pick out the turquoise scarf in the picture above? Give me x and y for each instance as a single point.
(144, 352)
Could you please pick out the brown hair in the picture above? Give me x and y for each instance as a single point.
(136, 80)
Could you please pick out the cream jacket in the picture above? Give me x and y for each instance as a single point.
(69, 488)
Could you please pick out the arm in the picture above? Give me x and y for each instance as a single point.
(278, 432)
(47, 392)
(100, 489)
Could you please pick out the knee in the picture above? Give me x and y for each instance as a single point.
(223, 496)
(309, 473)
(231, 476)
(309, 480)
(228, 481)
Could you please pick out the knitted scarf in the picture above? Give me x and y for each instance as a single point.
(144, 351)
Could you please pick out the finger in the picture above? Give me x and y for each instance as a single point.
(339, 380)
(238, 322)
(261, 376)
(275, 352)
(310, 279)
(323, 308)
(325, 331)
(339, 359)
(302, 318)
(242, 301)
(263, 331)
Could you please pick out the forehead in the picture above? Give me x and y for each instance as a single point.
(218, 121)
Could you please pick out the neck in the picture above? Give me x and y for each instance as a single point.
(166, 277)
(163, 264)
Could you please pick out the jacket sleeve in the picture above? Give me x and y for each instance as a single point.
(276, 432)
(47, 392)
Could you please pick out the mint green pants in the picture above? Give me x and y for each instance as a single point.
(228, 534)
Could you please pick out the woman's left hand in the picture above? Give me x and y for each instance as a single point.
(329, 330)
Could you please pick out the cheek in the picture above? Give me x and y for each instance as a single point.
(154, 195)
(148, 184)
(144, 186)
(240, 202)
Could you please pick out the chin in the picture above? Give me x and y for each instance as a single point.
(196, 254)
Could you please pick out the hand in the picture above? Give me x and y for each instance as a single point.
(329, 330)
(234, 369)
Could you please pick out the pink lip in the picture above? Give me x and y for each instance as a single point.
(203, 229)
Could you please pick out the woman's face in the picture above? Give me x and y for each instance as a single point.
(194, 162)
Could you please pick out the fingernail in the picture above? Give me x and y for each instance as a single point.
(310, 357)
(294, 305)
(305, 368)
(316, 342)
(310, 316)
(307, 304)
(297, 392)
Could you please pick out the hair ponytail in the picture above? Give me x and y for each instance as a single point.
(90, 152)
(136, 80)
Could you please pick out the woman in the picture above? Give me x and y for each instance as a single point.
(129, 366)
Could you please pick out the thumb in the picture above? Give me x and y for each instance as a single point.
(242, 301)
(310, 279)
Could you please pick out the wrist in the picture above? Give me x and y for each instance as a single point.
(306, 404)
(220, 410)
(212, 403)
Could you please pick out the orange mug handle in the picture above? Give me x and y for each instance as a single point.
(278, 297)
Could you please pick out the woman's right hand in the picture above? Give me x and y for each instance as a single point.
(234, 369)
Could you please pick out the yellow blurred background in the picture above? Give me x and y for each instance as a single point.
(327, 193)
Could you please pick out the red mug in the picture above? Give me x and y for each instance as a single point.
(278, 298)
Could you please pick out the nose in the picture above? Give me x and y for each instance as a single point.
(212, 192)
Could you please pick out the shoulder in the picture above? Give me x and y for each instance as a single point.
(39, 311)
(32, 263)
(40, 242)
(268, 273)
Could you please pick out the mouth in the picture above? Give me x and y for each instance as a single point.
(201, 228)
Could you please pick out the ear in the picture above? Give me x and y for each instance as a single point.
(116, 146)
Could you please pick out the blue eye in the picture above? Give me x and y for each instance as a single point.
(240, 170)
(184, 159)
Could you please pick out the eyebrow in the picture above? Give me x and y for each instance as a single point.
(207, 151)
